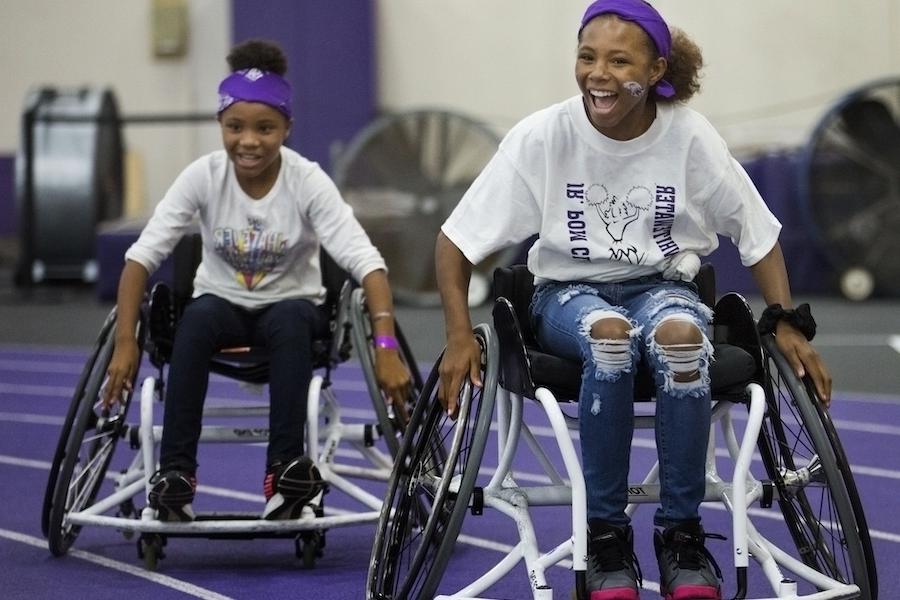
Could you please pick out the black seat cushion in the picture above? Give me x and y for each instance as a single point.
(730, 369)
(247, 364)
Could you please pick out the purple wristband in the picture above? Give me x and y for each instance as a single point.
(386, 341)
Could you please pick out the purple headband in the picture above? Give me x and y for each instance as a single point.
(254, 85)
(645, 16)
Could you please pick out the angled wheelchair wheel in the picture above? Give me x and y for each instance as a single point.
(431, 486)
(90, 439)
(816, 492)
(391, 424)
(66, 430)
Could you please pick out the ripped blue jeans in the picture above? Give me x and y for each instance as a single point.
(562, 314)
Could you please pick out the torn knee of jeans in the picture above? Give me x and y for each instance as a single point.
(611, 356)
(668, 298)
(569, 292)
(683, 368)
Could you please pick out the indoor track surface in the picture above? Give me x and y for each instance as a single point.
(36, 382)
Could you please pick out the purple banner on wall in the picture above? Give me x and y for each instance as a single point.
(331, 65)
(775, 176)
(8, 224)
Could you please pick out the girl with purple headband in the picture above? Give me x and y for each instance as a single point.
(264, 211)
(626, 188)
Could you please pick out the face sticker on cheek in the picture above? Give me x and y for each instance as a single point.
(634, 88)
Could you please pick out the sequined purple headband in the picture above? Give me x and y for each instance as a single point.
(254, 85)
(647, 18)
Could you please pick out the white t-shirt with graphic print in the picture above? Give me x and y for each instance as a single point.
(258, 251)
(608, 210)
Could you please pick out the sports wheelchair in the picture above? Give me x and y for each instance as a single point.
(804, 469)
(78, 493)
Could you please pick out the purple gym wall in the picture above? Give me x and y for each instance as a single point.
(331, 65)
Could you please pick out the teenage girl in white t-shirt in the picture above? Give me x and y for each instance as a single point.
(626, 188)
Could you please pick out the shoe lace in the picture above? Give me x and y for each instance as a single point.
(612, 555)
(689, 551)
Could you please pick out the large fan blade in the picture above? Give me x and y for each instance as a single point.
(403, 176)
(872, 126)
(852, 174)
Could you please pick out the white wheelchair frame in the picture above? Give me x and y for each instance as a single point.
(325, 432)
(514, 500)
(409, 558)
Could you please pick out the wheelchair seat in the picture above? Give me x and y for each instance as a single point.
(524, 366)
(249, 364)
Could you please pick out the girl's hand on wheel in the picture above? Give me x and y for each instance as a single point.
(394, 380)
(804, 359)
(461, 363)
(120, 373)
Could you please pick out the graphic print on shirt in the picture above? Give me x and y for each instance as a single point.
(252, 251)
(617, 212)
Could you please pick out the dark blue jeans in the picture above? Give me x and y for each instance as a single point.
(209, 324)
(562, 314)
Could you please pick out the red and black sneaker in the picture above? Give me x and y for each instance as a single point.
(289, 487)
(171, 495)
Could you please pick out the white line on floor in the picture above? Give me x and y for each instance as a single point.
(165, 580)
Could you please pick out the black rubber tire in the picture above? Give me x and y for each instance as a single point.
(66, 429)
(422, 517)
(390, 424)
(822, 510)
(91, 442)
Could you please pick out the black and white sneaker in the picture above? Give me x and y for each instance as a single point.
(289, 487)
(171, 495)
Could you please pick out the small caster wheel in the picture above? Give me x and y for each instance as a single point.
(150, 549)
(308, 547)
(127, 511)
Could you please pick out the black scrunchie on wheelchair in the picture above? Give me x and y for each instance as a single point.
(799, 317)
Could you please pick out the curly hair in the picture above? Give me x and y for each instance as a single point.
(260, 54)
(685, 62)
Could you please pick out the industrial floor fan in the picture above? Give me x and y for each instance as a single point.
(850, 180)
(403, 175)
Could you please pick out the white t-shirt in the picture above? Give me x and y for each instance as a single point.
(608, 210)
(258, 251)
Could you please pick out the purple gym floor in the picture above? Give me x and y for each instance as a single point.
(35, 388)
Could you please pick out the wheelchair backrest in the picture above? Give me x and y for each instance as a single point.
(189, 250)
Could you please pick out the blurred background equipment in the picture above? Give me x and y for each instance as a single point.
(403, 175)
(68, 179)
(849, 180)
(838, 196)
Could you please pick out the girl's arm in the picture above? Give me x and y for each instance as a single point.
(771, 277)
(392, 375)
